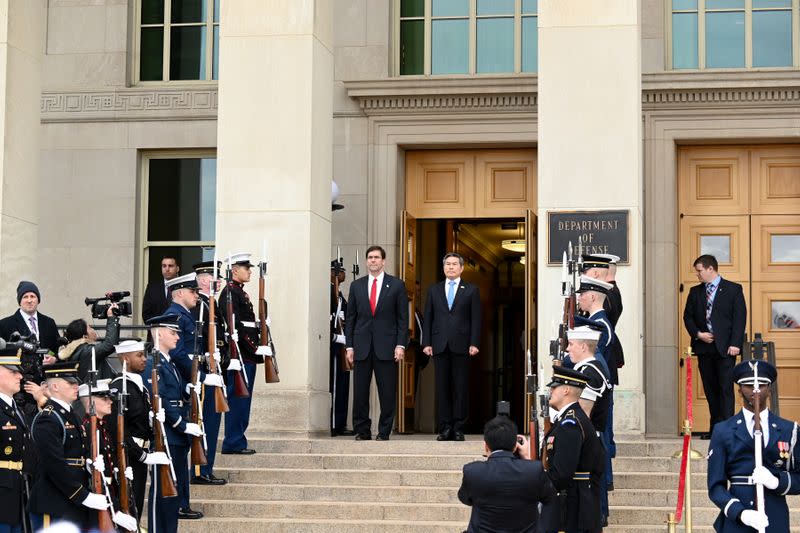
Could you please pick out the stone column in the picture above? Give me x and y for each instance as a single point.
(22, 30)
(590, 146)
(274, 168)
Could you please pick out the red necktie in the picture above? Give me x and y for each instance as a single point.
(373, 295)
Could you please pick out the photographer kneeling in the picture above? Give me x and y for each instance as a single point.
(505, 490)
(81, 338)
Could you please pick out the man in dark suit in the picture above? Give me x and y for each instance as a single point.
(452, 323)
(29, 320)
(376, 334)
(505, 490)
(715, 317)
(155, 300)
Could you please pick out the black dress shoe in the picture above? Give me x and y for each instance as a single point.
(243, 451)
(458, 436)
(382, 437)
(363, 436)
(610, 487)
(604, 521)
(445, 435)
(210, 479)
(189, 514)
(342, 433)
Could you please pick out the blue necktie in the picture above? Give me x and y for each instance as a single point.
(710, 287)
(451, 294)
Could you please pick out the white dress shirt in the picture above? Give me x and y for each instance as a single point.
(455, 287)
(377, 288)
(749, 420)
(6, 398)
(62, 403)
(27, 318)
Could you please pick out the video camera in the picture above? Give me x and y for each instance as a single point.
(99, 310)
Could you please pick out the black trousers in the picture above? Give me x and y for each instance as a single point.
(452, 383)
(716, 372)
(339, 383)
(139, 485)
(386, 379)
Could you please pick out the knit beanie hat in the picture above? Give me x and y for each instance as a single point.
(25, 287)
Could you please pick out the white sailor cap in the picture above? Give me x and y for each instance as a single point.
(612, 259)
(129, 346)
(583, 333)
(187, 281)
(101, 388)
(241, 258)
(592, 284)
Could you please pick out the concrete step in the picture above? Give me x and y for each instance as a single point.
(299, 525)
(335, 510)
(702, 516)
(351, 461)
(327, 493)
(398, 445)
(655, 480)
(295, 476)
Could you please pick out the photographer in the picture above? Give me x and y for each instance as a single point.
(505, 490)
(81, 338)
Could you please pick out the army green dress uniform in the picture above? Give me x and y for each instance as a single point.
(13, 441)
(574, 460)
(62, 480)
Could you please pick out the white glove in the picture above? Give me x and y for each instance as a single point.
(156, 458)
(125, 521)
(235, 365)
(754, 519)
(339, 339)
(129, 474)
(762, 476)
(160, 416)
(217, 358)
(99, 464)
(95, 501)
(269, 322)
(213, 380)
(193, 429)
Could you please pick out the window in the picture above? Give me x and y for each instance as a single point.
(178, 40)
(179, 202)
(440, 37)
(733, 33)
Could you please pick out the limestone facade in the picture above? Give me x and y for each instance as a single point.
(96, 123)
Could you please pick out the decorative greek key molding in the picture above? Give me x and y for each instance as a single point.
(128, 104)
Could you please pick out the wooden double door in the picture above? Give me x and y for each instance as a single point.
(742, 205)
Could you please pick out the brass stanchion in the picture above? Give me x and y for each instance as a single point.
(671, 523)
(693, 454)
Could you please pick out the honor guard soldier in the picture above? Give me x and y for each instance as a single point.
(211, 418)
(138, 431)
(246, 330)
(14, 439)
(339, 377)
(591, 294)
(573, 457)
(732, 472)
(172, 389)
(61, 489)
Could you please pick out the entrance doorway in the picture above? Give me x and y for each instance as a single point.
(741, 204)
(478, 204)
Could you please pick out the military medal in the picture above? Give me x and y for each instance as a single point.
(783, 448)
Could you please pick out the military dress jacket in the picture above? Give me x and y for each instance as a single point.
(14, 441)
(597, 390)
(245, 320)
(183, 352)
(174, 398)
(600, 320)
(138, 432)
(62, 479)
(575, 463)
(202, 334)
(731, 461)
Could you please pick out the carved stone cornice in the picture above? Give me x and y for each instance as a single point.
(130, 104)
(437, 95)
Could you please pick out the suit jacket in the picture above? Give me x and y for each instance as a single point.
(457, 328)
(504, 492)
(728, 317)
(731, 453)
(384, 331)
(154, 302)
(48, 332)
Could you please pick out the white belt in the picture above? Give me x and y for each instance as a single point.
(250, 324)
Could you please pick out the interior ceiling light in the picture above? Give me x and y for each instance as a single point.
(522, 259)
(514, 245)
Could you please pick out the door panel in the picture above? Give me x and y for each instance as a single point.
(406, 385)
(775, 183)
(505, 182)
(716, 235)
(713, 181)
(776, 247)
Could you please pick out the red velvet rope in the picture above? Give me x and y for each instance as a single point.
(686, 440)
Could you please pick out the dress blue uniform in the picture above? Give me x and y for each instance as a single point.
(163, 517)
(731, 463)
(15, 439)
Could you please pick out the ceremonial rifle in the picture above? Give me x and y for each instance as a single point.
(531, 391)
(166, 473)
(198, 455)
(266, 347)
(104, 522)
(220, 401)
(122, 452)
(758, 437)
(239, 376)
(338, 322)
